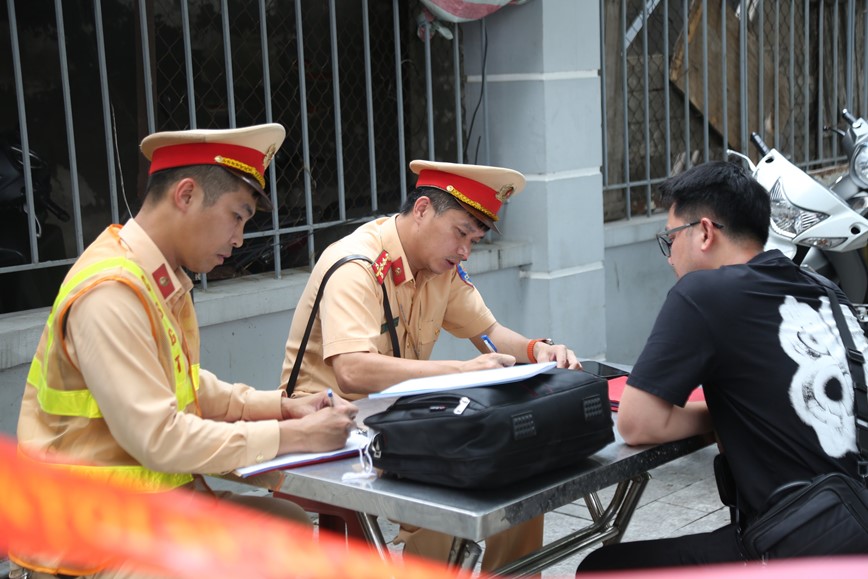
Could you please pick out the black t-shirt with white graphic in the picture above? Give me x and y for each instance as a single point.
(761, 340)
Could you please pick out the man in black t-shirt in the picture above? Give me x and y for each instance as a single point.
(758, 334)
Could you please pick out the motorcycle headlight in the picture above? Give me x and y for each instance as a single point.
(787, 219)
(823, 242)
(859, 165)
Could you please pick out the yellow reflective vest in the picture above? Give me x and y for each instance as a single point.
(58, 399)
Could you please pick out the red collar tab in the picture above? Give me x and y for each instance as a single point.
(164, 282)
(473, 193)
(381, 266)
(245, 159)
(399, 275)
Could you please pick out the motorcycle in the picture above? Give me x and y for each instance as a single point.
(817, 227)
(33, 288)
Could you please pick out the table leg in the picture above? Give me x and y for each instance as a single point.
(345, 522)
(464, 554)
(608, 527)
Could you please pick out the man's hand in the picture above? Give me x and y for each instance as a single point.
(487, 362)
(305, 405)
(559, 353)
(320, 431)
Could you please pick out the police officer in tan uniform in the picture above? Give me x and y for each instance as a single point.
(115, 390)
(417, 257)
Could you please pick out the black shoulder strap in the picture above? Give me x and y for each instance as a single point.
(856, 360)
(390, 322)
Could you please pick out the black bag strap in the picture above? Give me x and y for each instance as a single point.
(855, 360)
(302, 346)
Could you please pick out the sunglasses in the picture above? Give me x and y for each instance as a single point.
(665, 237)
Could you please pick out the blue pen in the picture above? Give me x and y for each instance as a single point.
(488, 342)
(331, 396)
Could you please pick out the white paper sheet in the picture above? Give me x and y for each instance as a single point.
(464, 380)
(357, 439)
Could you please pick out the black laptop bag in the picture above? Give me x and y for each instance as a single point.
(490, 436)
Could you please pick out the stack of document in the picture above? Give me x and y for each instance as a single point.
(464, 380)
(357, 439)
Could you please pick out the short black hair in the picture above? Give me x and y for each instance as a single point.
(725, 193)
(215, 181)
(440, 200)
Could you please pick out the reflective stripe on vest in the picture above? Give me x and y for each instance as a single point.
(81, 403)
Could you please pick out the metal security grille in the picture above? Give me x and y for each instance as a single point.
(353, 82)
(781, 68)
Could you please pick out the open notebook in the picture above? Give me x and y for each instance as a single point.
(357, 439)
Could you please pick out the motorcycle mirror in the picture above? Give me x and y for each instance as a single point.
(743, 157)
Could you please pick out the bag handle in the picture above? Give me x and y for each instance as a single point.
(302, 346)
(856, 361)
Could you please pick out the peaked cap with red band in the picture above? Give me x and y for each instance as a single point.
(246, 152)
(480, 189)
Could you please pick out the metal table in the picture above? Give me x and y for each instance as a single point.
(472, 516)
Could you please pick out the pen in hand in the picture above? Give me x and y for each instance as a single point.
(331, 396)
(488, 342)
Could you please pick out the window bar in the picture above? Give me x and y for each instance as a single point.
(269, 117)
(742, 74)
(850, 70)
(336, 96)
(820, 84)
(792, 74)
(604, 94)
(486, 134)
(227, 63)
(399, 99)
(646, 103)
(22, 124)
(761, 71)
(622, 31)
(666, 104)
(864, 110)
(429, 92)
(188, 65)
(70, 130)
(833, 109)
(305, 137)
(776, 55)
(456, 83)
(686, 70)
(724, 13)
(369, 101)
(144, 31)
(705, 98)
(108, 125)
(805, 72)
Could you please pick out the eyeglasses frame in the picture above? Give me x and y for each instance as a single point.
(665, 239)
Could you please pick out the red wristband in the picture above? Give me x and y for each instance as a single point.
(532, 343)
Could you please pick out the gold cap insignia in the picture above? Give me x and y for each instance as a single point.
(505, 193)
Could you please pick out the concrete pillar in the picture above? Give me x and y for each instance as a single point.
(540, 114)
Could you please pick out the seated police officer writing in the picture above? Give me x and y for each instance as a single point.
(758, 334)
(417, 257)
(115, 390)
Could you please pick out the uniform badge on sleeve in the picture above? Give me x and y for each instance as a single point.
(465, 277)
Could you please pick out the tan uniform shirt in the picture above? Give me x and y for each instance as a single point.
(351, 316)
(112, 351)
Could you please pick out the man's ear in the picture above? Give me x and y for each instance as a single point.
(421, 207)
(183, 193)
(709, 232)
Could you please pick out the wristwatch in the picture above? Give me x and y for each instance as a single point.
(532, 343)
